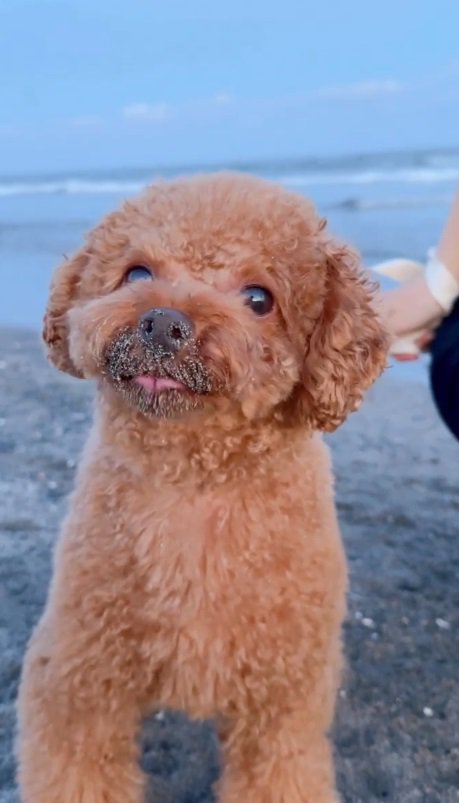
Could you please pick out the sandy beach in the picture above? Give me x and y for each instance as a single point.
(397, 729)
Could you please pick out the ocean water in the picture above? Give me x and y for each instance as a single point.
(384, 204)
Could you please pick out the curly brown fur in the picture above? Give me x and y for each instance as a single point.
(200, 566)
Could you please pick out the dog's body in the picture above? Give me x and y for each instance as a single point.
(200, 565)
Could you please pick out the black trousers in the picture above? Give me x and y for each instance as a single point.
(444, 370)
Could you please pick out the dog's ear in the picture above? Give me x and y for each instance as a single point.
(62, 296)
(347, 349)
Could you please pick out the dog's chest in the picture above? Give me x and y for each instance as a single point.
(225, 571)
(204, 554)
(228, 579)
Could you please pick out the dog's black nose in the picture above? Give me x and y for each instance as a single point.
(166, 329)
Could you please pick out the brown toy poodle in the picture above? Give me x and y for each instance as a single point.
(200, 566)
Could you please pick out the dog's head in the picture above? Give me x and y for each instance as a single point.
(219, 291)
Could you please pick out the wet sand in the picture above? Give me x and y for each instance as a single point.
(397, 729)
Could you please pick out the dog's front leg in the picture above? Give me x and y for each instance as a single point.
(279, 759)
(77, 735)
(79, 699)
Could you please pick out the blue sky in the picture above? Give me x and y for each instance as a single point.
(101, 83)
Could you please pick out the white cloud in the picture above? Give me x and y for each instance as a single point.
(155, 113)
(161, 112)
(223, 99)
(362, 90)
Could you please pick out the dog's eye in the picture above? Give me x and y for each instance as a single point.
(138, 272)
(259, 299)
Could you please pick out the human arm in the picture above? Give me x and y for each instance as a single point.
(421, 303)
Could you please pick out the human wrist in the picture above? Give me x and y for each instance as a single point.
(442, 285)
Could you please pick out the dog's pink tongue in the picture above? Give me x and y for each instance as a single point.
(156, 384)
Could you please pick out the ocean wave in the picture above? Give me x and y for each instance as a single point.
(70, 187)
(129, 185)
(420, 175)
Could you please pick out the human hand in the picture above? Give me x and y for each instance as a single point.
(410, 308)
(420, 344)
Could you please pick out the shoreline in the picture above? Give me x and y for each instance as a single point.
(397, 724)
